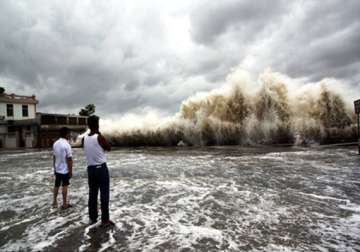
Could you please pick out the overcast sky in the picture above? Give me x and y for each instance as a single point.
(137, 56)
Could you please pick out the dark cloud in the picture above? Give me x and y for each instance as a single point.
(212, 19)
(302, 39)
(71, 59)
(124, 56)
(328, 41)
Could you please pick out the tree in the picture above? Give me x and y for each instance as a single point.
(2, 90)
(88, 110)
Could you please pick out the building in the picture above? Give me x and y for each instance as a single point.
(17, 121)
(21, 126)
(50, 124)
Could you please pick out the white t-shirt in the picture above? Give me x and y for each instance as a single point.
(62, 151)
(95, 154)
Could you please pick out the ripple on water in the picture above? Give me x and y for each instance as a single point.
(229, 199)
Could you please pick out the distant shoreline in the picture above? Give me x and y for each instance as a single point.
(348, 144)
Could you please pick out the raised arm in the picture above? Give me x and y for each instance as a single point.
(104, 143)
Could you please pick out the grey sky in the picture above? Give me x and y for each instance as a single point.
(134, 56)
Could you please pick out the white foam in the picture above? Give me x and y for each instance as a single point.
(346, 201)
(108, 243)
(187, 200)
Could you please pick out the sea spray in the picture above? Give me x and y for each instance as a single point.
(269, 111)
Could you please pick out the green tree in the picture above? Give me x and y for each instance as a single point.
(2, 90)
(88, 110)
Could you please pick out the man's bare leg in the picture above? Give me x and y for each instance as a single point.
(64, 194)
(56, 190)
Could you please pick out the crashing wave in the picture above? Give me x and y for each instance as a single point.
(237, 114)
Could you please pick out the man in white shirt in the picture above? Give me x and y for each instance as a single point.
(95, 146)
(62, 166)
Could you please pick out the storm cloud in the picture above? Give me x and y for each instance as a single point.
(140, 56)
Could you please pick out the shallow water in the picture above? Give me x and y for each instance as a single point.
(191, 199)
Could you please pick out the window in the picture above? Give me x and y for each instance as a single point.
(72, 121)
(48, 119)
(11, 129)
(10, 110)
(61, 120)
(82, 121)
(25, 110)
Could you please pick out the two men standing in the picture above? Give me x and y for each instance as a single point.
(94, 145)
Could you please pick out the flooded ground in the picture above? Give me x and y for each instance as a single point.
(191, 199)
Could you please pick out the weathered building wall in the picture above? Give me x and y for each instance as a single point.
(18, 126)
(11, 141)
(18, 114)
(50, 124)
(26, 128)
(18, 136)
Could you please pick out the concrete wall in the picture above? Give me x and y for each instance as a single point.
(3, 129)
(18, 111)
(2, 109)
(2, 141)
(3, 133)
(11, 140)
(29, 140)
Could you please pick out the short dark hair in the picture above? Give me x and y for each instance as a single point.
(64, 131)
(93, 122)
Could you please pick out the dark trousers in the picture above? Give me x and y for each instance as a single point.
(98, 178)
